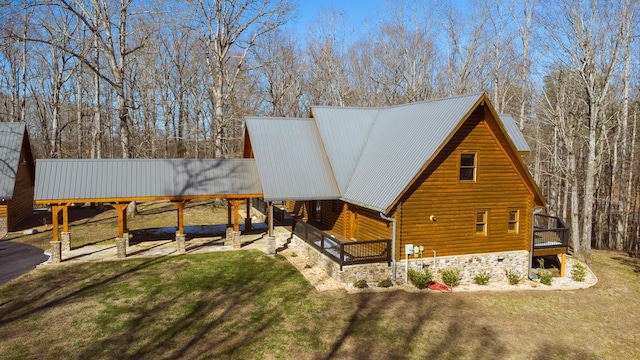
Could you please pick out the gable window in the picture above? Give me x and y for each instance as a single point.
(468, 163)
(481, 223)
(514, 220)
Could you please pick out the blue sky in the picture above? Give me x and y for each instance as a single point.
(355, 11)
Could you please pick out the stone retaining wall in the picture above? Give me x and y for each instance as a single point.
(470, 265)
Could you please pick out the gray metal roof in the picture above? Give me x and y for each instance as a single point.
(403, 139)
(70, 179)
(291, 159)
(345, 132)
(516, 136)
(11, 137)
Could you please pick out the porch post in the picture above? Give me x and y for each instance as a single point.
(563, 264)
(247, 220)
(270, 206)
(228, 213)
(65, 235)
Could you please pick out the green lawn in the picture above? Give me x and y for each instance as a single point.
(245, 305)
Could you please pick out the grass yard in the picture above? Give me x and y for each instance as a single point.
(245, 305)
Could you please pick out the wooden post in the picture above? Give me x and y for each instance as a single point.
(55, 210)
(563, 264)
(181, 204)
(65, 218)
(228, 213)
(345, 219)
(236, 220)
(122, 217)
(270, 218)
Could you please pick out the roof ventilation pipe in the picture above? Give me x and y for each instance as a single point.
(393, 245)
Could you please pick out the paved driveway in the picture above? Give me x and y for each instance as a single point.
(17, 259)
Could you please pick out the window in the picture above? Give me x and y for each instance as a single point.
(481, 223)
(514, 219)
(468, 167)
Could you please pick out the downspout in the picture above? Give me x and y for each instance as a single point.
(393, 245)
(533, 218)
(270, 204)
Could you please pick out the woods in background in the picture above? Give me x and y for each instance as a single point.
(164, 79)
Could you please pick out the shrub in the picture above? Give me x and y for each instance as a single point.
(579, 272)
(545, 277)
(385, 283)
(420, 279)
(450, 276)
(360, 284)
(513, 277)
(482, 278)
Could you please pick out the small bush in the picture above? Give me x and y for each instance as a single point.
(385, 283)
(450, 276)
(482, 278)
(360, 284)
(579, 272)
(545, 277)
(420, 279)
(513, 277)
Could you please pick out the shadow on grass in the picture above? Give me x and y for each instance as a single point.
(633, 263)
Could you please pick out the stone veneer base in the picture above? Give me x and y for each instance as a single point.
(469, 265)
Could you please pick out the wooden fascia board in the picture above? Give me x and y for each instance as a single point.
(520, 165)
(481, 98)
(247, 149)
(149, 198)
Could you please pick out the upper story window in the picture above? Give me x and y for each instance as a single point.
(468, 164)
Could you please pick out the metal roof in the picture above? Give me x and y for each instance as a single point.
(70, 179)
(11, 137)
(291, 159)
(514, 133)
(345, 132)
(403, 139)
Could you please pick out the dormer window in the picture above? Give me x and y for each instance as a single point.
(468, 163)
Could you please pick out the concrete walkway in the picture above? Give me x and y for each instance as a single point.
(169, 247)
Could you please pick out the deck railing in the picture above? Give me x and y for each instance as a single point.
(549, 232)
(344, 253)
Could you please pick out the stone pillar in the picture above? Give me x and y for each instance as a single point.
(229, 234)
(180, 240)
(121, 248)
(56, 252)
(65, 237)
(271, 245)
(126, 238)
(237, 244)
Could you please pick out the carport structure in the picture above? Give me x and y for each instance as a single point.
(61, 183)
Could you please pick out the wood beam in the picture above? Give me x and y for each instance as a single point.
(180, 205)
(147, 198)
(122, 217)
(563, 264)
(228, 213)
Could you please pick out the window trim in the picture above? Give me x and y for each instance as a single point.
(474, 167)
(516, 222)
(484, 222)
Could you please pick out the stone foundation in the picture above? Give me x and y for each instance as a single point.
(65, 237)
(271, 245)
(56, 252)
(180, 242)
(229, 234)
(121, 248)
(237, 242)
(469, 265)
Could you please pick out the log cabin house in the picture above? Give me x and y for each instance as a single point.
(17, 175)
(438, 182)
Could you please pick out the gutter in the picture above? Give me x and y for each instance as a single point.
(393, 245)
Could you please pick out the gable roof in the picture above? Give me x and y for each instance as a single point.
(90, 179)
(12, 135)
(374, 153)
(291, 159)
(514, 133)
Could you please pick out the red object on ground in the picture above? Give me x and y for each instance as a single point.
(436, 286)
